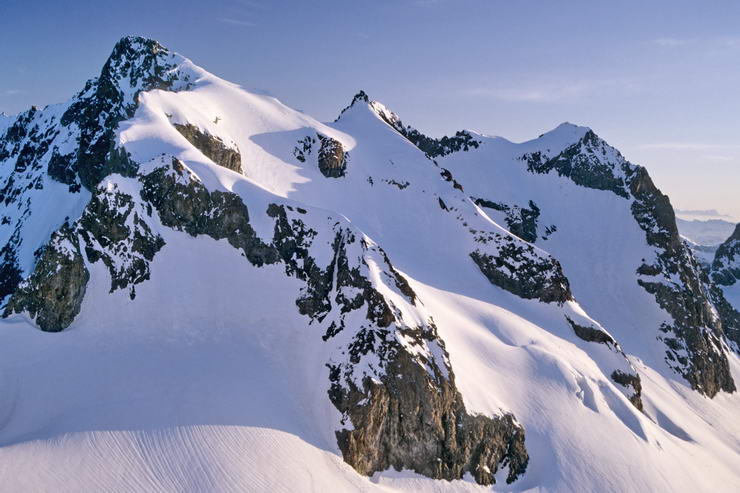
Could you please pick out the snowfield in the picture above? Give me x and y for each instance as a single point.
(211, 380)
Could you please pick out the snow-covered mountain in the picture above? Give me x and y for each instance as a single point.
(203, 289)
(707, 232)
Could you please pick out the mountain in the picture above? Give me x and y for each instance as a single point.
(725, 268)
(710, 232)
(203, 289)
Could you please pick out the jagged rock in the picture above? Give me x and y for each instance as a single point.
(693, 336)
(136, 64)
(415, 419)
(53, 294)
(114, 230)
(10, 273)
(516, 270)
(521, 221)
(332, 158)
(591, 334)
(185, 204)
(212, 147)
(627, 380)
(694, 339)
(587, 163)
(461, 141)
(726, 264)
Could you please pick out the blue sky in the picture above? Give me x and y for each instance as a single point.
(659, 80)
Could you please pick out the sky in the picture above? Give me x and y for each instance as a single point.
(659, 80)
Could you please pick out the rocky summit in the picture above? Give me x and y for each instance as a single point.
(218, 291)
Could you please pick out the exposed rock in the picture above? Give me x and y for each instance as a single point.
(461, 141)
(694, 335)
(407, 413)
(516, 270)
(10, 273)
(53, 294)
(332, 158)
(114, 230)
(183, 203)
(136, 64)
(628, 380)
(415, 419)
(304, 148)
(447, 175)
(587, 163)
(726, 264)
(591, 334)
(521, 221)
(212, 147)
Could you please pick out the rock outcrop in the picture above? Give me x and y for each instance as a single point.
(693, 335)
(212, 147)
(518, 270)
(726, 264)
(332, 158)
(53, 294)
(414, 418)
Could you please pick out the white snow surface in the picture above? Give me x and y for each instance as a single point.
(210, 380)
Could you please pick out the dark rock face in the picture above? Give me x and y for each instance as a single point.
(726, 264)
(591, 334)
(136, 64)
(77, 148)
(694, 338)
(408, 414)
(586, 163)
(115, 231)
(53, 293)
(10, 274)
(212, 147)
(517, 271)
(184, 204)
(332, 158)
(628, 380)
(416, 420)
(521, 221)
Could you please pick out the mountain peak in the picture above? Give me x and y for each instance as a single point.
(360, 96)
(138, 59)
(567, 130)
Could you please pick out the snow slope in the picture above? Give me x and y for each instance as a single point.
(210, 379)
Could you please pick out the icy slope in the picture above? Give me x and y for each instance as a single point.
(252, 300)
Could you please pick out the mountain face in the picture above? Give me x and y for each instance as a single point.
(709, 232)
(232, 295)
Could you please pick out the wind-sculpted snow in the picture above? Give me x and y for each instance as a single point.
(250, 299)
